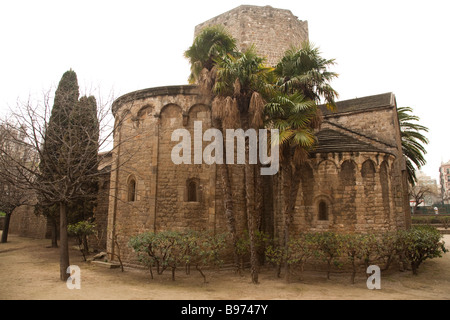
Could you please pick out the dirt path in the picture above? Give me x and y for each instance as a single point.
(30, 270)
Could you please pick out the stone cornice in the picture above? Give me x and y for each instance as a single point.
(153, 92)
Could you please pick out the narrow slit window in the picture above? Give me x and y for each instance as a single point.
(323, 211)
(132, 190)
(192, 191)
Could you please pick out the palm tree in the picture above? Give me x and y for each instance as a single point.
(304, 70)
(413, 141)
(240, 83)
(303, 82)
(210, 46)
(296, 117)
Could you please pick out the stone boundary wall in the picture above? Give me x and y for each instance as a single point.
(25, 223)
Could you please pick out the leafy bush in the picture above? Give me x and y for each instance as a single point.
(330, 247)
(387, 249)
(172, 249)
(360, 249)
(297, 252)
(415, 245)
(262, 240)
(203, 249)
(419, 244)
(81, 230)
(432, 219)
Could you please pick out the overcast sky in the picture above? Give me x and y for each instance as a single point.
(122, 46)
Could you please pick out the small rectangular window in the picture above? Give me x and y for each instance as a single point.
(323, 211)
(192, 190)
(132, 190)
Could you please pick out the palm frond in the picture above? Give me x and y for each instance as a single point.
(413, 141)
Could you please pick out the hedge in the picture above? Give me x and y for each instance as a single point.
(174, 249)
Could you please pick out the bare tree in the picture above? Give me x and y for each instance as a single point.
(72, 166)
(418, 193)
(12, 196)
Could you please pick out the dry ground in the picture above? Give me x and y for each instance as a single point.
(30, 271)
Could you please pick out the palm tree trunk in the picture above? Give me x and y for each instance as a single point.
(224, 173)
(291, 185)
(251, 219)
(259, 207)
(250, 181)
(228, 208)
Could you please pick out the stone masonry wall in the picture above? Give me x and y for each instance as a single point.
(358, 191)
(25, 223)
(354, 189)
(143, 155)
(379, 127)
(263, 27)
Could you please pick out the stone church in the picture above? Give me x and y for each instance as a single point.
(354, 181)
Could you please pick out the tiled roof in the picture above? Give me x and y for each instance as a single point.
(332, 141)
(361, 104)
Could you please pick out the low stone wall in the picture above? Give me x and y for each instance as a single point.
(25, 223)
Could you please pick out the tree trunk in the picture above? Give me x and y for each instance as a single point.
(85, 244)
(291, 184)
(286, 183)
(54, 234)
(259, 207)
(228, 201)
(6, 227)
(64, 242)
(250, 199)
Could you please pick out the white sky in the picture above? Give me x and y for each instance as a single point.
(380, 46)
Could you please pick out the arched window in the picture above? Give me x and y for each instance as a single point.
(131, 190)
(323, 211)
(192, 191)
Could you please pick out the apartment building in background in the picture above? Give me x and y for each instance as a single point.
(444, 173)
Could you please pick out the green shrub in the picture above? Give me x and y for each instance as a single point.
(387, 249)
(330, 247)
(297, 252)
(419, 244)
(81, 230)
(172, 249)
(360, 249)
(262, 240)
(415, 245)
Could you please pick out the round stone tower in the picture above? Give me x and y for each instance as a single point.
(271, 30)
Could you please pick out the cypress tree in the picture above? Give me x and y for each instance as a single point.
(53, 162)
(66, 98)
(84, 134)
(69, 159)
